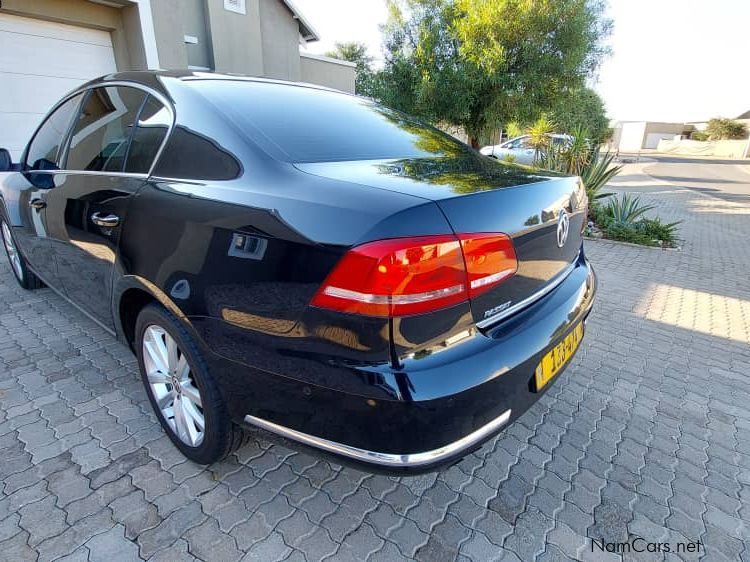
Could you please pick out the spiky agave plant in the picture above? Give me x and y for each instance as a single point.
(597, 172)
(626, 209)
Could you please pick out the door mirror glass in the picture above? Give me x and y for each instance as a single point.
(6, 163)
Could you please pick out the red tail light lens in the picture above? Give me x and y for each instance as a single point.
(490, 259)
(406, 276)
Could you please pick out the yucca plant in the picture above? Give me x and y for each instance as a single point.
(626, 209)
(539, 134)
(553, 158)
(578, 152)
(513, 130)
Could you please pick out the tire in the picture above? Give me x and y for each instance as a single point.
(18, 264)
(220, 435)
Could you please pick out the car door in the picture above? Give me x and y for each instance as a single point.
(25, 193)
(106, 163)
(523, 151)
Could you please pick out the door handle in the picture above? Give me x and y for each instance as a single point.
(37, 204)
(108, 221)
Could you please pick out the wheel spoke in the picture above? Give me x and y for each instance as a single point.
(164, 398)
(190, 429)
(171, 355)
(183, 370)
(193, 415)
(179, 419)
(158, 377)
(154, 354)
(191, 393)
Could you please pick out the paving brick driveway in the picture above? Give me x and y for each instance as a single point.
(646, 434)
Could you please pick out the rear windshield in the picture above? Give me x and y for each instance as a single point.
(300, 124)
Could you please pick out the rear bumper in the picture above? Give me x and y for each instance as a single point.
(448, 403)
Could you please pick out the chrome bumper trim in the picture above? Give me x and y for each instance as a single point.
(389, 460)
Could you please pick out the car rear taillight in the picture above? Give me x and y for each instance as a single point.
(490, 259)
(406, 276)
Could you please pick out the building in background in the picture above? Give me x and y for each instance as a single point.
(633, 136)
(48, 47)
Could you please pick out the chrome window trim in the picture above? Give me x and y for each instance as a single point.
(88, 173)
(528, 301)
(85, 90)
(390, 460)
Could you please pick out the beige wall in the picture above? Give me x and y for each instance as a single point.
(236, 38)
(670, 128)
(170, 37)
(327, 73)
(721, 148)
(133, 37)
(124, 27)
(280, 40)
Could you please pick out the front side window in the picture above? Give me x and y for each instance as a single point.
(44, 150)
(101, 137)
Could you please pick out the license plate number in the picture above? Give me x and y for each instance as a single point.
(556, 358)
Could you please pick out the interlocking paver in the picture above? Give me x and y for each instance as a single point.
(645, 434)
(112, 545)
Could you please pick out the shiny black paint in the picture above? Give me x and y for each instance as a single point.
(402, 385)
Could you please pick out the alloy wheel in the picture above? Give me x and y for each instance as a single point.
(173, 386)
(13, 255)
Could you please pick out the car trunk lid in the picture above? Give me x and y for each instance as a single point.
(543, 213)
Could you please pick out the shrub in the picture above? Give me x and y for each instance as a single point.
(509, 159)
(720, 128)
(513, 130)
(622, 219)
(699, 136)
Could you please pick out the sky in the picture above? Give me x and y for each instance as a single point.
(672, 60)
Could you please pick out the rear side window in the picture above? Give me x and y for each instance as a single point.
(101, 137)
(300, 124)
(44, 150)
(190, 155)
(153, 125)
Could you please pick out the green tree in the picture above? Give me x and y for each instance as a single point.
(357, 53)
(581, 108)
(720, 128)
(476, 63)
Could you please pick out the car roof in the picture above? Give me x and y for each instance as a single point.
(161, 80)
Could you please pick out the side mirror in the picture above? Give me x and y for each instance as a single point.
(6, 163)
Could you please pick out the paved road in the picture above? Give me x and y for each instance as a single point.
(726, 179)
(647, 434)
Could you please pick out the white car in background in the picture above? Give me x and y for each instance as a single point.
(520, 148)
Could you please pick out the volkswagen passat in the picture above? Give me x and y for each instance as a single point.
(303, 261)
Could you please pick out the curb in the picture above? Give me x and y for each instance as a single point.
(631, 244)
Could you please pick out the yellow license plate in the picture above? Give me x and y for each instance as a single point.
(553, 362)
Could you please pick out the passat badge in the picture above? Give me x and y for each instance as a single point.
(563, 228)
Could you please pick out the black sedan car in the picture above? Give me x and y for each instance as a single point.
(301, 260)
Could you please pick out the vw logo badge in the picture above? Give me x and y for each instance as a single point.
(563, 228)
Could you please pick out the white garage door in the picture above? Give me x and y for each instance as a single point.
(39, 62)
